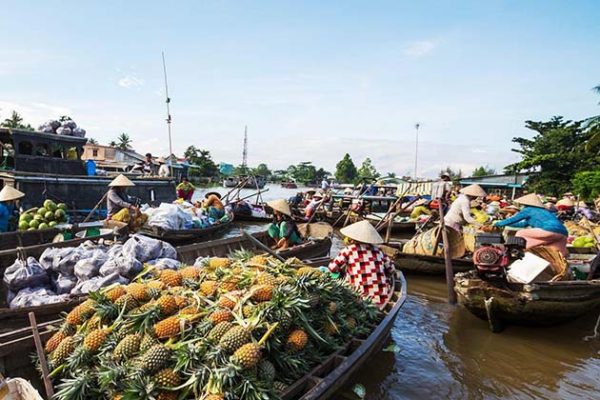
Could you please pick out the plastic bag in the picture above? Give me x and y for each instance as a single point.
(124, 266)
(169, 216)
(36, 296)
(168, 251)
(63, 284)
(65, 259)
(89, 267)
(64, 131)
(24, 274)
(115, 251)
(47, 258)
(142, 248)
(79, 132)
(165, 263)
(201, 262)
(98, 282)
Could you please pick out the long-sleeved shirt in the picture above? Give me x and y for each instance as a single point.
(441, 189)
(164, 171)
(459, 213)
(116, 201)
(535, 217)
(6, 211)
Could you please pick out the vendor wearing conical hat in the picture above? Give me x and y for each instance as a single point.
(459, 213)
(541, 226)
(283, 230)
(367, 268)
(8, 209)
(116, 198)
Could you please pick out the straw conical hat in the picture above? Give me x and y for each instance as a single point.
(363, 232)
(10, 193)
(565, 203)
(531, 199)
(121, 181)
(473, 190)
(280, 205)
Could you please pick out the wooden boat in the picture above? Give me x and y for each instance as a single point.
(321, 383)
(180, 236)
(423, 264)
(244, 217)
(540, 303)
(397, 226)
(223, 247)
(289, 185)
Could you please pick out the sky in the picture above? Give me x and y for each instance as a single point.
(312, 80)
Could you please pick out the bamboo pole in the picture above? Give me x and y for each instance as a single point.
(260, 245)
(447, 258)
(39, 348)
(96, 207)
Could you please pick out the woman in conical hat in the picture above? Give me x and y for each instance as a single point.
(367, 268)
(541, 226)
(8, 210)
(459, 213)
(116, 198)
(283, 230)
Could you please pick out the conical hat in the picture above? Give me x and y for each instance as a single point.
(10, 193)
(565, 202)
(280, 205)
(121, 181)
(531, 199)
(363, 232)
(473, 190)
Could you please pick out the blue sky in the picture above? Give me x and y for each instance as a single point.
(311, 79)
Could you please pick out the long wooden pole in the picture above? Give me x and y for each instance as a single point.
(447, 258)
(96, 207)
(39, 348)
(259, 244)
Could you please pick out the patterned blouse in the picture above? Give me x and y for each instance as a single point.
(368, 270)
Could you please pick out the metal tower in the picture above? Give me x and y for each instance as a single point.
(245, 152)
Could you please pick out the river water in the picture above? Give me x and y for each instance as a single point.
(444, 352)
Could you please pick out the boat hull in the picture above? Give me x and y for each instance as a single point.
(423, 264)
(183, 236)
(544, 303)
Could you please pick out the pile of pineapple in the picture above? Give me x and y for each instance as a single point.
(244, 327)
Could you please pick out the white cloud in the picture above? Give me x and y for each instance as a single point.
(418, 48)
(34, 113)
(131, 81)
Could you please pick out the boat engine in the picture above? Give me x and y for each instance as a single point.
(492, 254)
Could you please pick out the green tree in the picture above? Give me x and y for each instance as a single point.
(92, 141)
(321, 174)
(113, 143)
(304, 172)
(368, 170)
(587, 184)
(123, 141)
(554, 155)
(455, 176)
(202, 162)
(16, 122)
(483, 171)
(345, 170)
(262, 170)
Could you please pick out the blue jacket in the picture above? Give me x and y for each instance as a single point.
(6, 211)
(535, 217)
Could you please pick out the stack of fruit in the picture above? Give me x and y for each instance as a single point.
(47, 216)
(230, 328)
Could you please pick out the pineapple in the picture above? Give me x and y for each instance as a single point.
(220, 316)
(247, 356)
(266, 371)
(168, 327)
(248, 310)
(95, 339)
(259, 259)
(235, 338)
(167, 395)
(308, 271)
(181, 301)
(229, 284)
(167, 378)
(115, 293)
(155, 285)
(80, 313)
(330, 328)
(190, 273)
(171, 278)
(332, 307)
(262, 292)
(228, 301)
(297, 340)
(156, 358)
(264, 278)
(128, 302)
(168, 305)
(280, 387)
(63, 350)
(314, 299)
(219, 330)
(55, 340)
(214, 397)
(128, 347)
(147, 342)
(208, 288)
(351, 322)
(138, 291)
(219, 262)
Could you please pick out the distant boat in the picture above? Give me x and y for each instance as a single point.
(289, 185)
(250, 182)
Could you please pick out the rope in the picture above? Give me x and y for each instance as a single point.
(596, 334)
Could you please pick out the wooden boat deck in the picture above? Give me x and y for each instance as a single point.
(424, 264)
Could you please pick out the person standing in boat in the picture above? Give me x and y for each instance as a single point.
(214, 205)
(541, 226)
(283, 230)
(116, 198)
(185, 189)
(8, 207)
(442, 189)
(367, 268)
(459, 213)
(148, 167)
(163, 171)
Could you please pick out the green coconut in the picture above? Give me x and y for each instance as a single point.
(23, 225)
(26, 217)
(60, 215)
(62, 206)
(42, 211)
(49, 216)
(52, 224)
(38, 218)
(50, 205)
(35, 224)
(43, 225)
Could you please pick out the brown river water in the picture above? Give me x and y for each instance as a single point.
(444, 352)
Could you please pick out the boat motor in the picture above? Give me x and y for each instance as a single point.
(493, 254)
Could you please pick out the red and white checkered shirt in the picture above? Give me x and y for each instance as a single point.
(368, 270)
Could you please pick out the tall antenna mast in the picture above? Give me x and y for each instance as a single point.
(168, 101)
(417, 125)
(245, 152)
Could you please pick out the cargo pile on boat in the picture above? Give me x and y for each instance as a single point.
(180, 215)
(47, 216)
(226, 328)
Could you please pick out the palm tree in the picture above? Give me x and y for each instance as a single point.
(124, 141)
(92, 141)
(113, 143)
